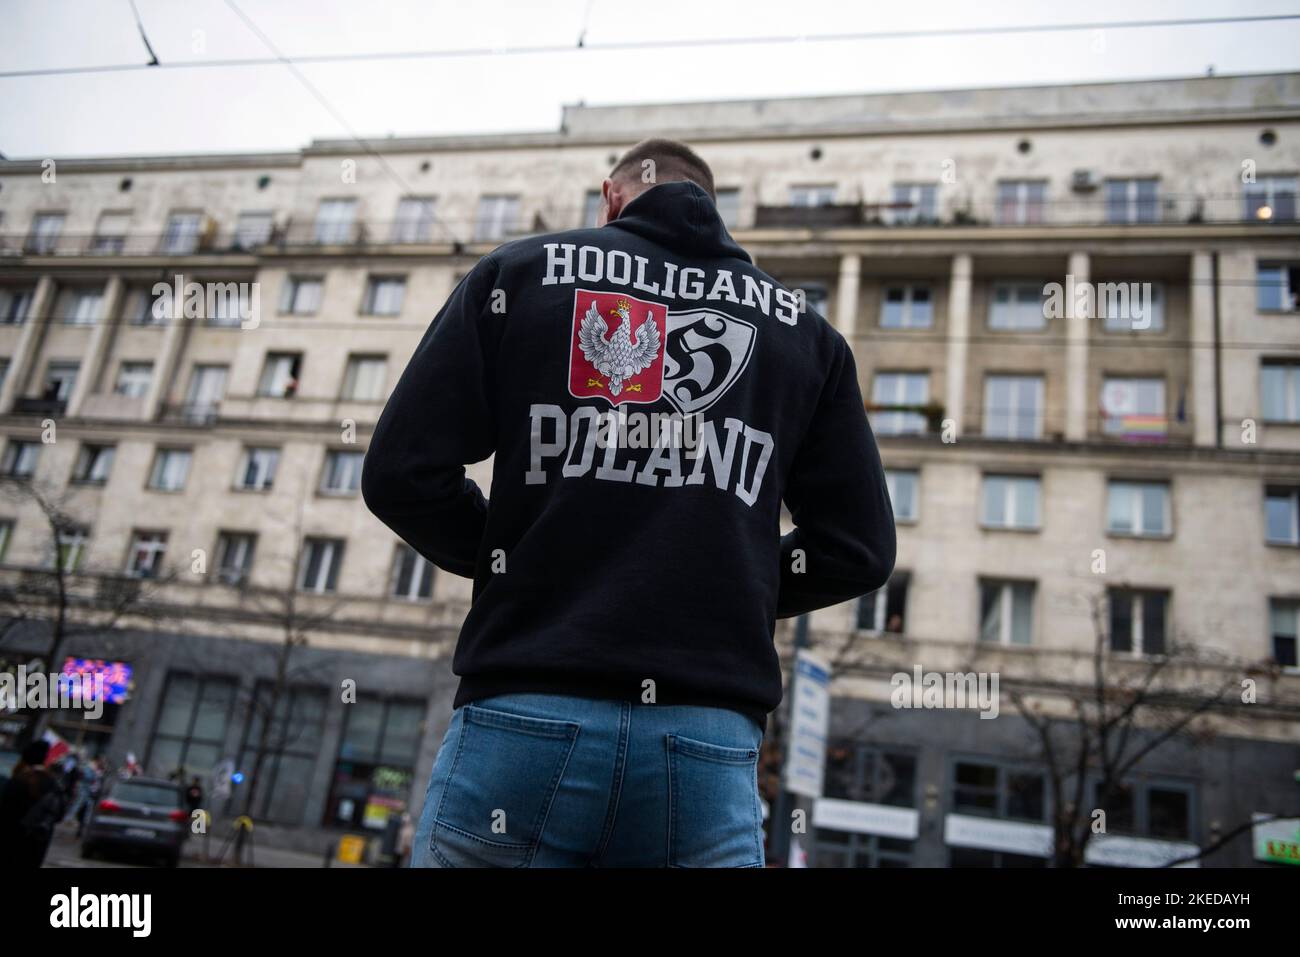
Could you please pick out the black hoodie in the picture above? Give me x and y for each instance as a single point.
(639, 557)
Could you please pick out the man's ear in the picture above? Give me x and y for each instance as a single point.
(612, 202)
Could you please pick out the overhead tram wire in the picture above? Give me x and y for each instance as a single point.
(338, 116)
(613, 46)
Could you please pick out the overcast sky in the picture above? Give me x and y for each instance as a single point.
(220, 109)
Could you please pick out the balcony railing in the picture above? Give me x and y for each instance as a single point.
(190, 413)
(28, 405)
(1066, 209)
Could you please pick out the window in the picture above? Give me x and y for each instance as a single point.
(44, 236)
(181, 236)
(257, 469)
(207, 387)
(1271, 199)
(906, 307)
(1017, 305)
(1010, 501)
(1137, 621)
(384, 296)
(253, 229)
(902, 485)
(412, 578)
(146, 556)
(591, 201)
(141, 306)
(1013, 407)
(885, 609)
(1131, 306)
(110, 234)
(816, 194)
(1279, 383)
(296, 716)
(1131, 200)
(376, 763)
(1277, 286)
(4, 371)
(221, 306)
(913, 203)
(1284, 616)
(94, 463)
(1133, 408)
(1021, 201)
(996, 790)
(6, 533)
(60, 380)
(815, 296)
(1138, 508)
(334, 220)
(867, 774)
(342, 475)
(235, 556)
(280, 375)
(133, 379)
(414, 222)
(1006, 612)
(170, 469)
(72, 541)
(899, 388)
(20, 458)
(80, 306)
(729, 207)
(301, 295)
(365, 378)
(192, 722)
(1152, 809)
(497, 217)
(1282, 516)
(321, 558)
(15, 301)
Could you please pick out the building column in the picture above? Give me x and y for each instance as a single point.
(1078, 318)
(164, 367)
(100, 336)
(959, 287)
(28, 342)
(846, 306)
(1201, 347)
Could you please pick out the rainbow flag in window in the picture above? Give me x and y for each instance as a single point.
(1142, 426)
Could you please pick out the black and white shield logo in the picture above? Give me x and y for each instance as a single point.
(704, 353)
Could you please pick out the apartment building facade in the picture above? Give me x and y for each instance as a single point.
(1074, 314)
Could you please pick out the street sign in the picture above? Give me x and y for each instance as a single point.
(810, 711)
(1277, 841)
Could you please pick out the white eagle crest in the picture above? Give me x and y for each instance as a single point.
(616, 356)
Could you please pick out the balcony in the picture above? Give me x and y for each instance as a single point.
(190, 413)
(67, 245)
(1065, 208)
(810, 217)
(29, 405)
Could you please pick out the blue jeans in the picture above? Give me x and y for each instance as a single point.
(541, 780)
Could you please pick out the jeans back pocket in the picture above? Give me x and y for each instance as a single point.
(714, 819)
(500, 787)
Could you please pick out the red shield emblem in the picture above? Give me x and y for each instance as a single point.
(616, 349)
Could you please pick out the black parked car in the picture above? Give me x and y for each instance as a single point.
(146, 815)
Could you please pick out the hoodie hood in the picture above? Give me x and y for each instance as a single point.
(682, 217)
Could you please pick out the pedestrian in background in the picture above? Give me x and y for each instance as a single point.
(31, 805)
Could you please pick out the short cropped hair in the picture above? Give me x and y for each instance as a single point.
(673, 161)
